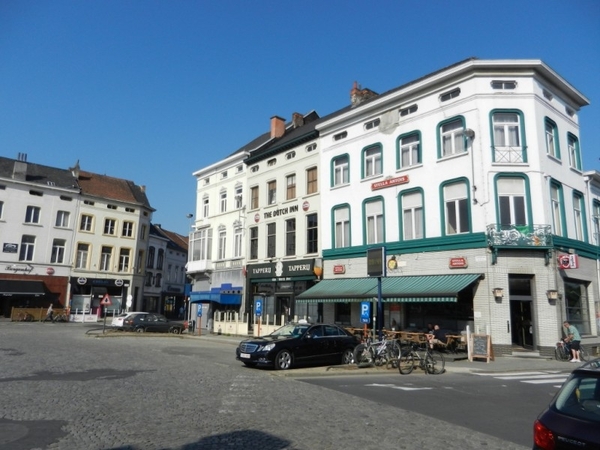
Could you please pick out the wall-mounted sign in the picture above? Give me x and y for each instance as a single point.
(460, 262)
(376, 262)
(281, 211)
(392, 264)
(568, 261)
(257, 217)
(305, 206)
(389, 182)
(10, 248)
(339, 269)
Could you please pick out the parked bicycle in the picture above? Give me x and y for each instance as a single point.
(62, 317)
(25, 317)
(378, 353)
(562, 352)
(430, 361)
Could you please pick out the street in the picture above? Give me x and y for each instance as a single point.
(66, 386)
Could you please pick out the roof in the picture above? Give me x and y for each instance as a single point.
(174, 241)
(24, 171)
(119, 189)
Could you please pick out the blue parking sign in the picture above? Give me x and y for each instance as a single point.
(200, 311)
(258, 307)
(365, 312)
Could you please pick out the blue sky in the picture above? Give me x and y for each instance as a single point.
(151, 91)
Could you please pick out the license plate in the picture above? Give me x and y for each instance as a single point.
(244, 355)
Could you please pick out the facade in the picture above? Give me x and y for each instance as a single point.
(471, 180)
(165, 279)
(70, 237)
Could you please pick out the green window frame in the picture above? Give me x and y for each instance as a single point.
(552, 138)
(455, 208)
(451, 138)
(341, 229)
(506, 199)
(372, 161)
(408, 150)
(373, 220)
(574, 151)
(408, 210)
(509, 143)
(340, 170)
(557, 209)
(579, 217)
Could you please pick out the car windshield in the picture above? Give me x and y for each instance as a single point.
(580, 397)
(291, 329)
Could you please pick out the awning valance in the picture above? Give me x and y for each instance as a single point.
(22, 287)
(420, 288)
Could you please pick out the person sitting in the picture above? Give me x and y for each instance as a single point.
(437, 337)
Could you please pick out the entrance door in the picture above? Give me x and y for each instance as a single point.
(282, 308)
(521, 323)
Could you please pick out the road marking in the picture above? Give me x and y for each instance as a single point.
(549, 377)
(403, 388)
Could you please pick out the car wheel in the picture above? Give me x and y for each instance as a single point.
(283, 360)
(175, 330)
(348, 357)
(139, 330)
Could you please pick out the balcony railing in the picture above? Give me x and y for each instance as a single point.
(508, 155)
(519, 235)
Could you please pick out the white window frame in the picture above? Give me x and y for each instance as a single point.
(32, 214)
(341, 170)
(452, 138)
(83, 251)
(372, 160)
(62, 219)
(105, 258)
(412, 216)
(222, 245)
(342, 227)
(456, 207)
(58, 251)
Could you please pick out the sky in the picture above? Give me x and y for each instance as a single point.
(152, 91)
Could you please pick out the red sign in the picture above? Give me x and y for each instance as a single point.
(257, 217)
(305, 206)
(458, 263)
(389, 182)
(339, 269)
(105, 300)
(568, 261)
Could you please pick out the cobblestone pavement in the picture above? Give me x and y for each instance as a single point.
(63, 388)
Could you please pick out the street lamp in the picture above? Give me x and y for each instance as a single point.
(190, 216)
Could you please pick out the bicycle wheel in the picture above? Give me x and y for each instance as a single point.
(393, 353)
(363, 355)
(434, 363)
(583, 355)
(406, 363)
(560, 354)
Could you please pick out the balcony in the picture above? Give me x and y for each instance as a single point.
(202, 265)
(519, 236)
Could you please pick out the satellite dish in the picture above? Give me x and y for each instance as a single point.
(388, 122)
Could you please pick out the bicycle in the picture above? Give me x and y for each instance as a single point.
(25, 317)
(378, 353)
(431, 362)
(62, 317)
(562, 352)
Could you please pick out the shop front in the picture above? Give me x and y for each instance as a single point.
(87, 293)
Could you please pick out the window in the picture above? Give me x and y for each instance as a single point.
(576, 301)
(201, 244)
(596, 221)
(89, 202)
(290, 237)
(254, 197)
(160, 260)
(372, 161)
(110, 226)
(105, 258)
(254, 169)
(223, 175)
(239, 168)
(408, 110)
(58, 251)
(341, 170)
(32, 214)
(238, 197)
(81, 260)
(341, 220)
(237, 243)
(27, 248)
(506, 140)
(271, 192)
(547, 95)
(505, 85)
(290, 192)
(450, 95)
(1, 209)
(574, 155)
(253, 242)
(205, 207)
(552, 139)
(456, 200)
(312, 185)
(109, 206)
(557, 209)
(223, 201)
(127, 229)
(340, 136)
(410, 150)
(373, 214)
(271, 240)
(222, 244)
(124, 256)
(372, 124)
(62, 219)
(158, 280)
(511, 201)
(271, 162)
(86, 223)
(149, 277)
(143, 233)
(127, 209)
(311, 147)
(452, 137)
(412, 222)
(312, 234)
(579, 216)
(150, 261)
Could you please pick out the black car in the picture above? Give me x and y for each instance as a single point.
(299, 343)
(153, 323)
(572, 420)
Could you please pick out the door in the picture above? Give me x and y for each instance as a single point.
(521, 311)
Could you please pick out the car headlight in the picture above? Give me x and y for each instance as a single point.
(268, 347)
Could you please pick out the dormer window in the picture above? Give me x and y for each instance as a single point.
(450, 95)
(372, 124)
(408, 110)
(290, 155)
(271, 162)
(311, 147)
(254, 169)
(504, 84)
(340, 136)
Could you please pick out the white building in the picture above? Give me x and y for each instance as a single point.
(471, 180)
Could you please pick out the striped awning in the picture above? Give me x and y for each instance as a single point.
(402, 289)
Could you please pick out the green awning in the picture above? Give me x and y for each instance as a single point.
(419, 288)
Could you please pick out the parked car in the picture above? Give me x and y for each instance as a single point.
(150, 322)
(117, 321)
(299, 343)
(572, 420)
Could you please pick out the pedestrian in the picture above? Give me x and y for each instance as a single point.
(49, 314)
(181, 312)
(574, 339)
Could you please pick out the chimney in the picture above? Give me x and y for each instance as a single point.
(20, 170)
(277, 127)
(75, 170)
(358, 95)
(297, 120)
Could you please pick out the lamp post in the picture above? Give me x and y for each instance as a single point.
(191, 217)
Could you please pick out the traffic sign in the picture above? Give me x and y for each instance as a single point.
(258, 307)
(105, 300)
(365, 312)
(199, 310)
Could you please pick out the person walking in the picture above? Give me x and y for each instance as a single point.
(49, 314)
(574, 339)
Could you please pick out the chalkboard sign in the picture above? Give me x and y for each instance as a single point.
(481, 347)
